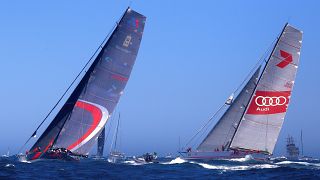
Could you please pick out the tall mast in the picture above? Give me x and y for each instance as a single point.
(100, 143)
(76, 93)
(264, 68)
(97, 92)
(117, 130)
(220, 135)
(86, 77)
(301, 142)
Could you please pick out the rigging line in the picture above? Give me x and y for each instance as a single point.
(56, 138)
(204, 132)
(113, 138)
(262, 58)
(205, 124)
(81, 128)
(301, 142)
(90, 69)
(113, 124)
(226, 140)
(257, 64)
(115, 143)
(255, 88)
(109, 128)
(85, 66)
(266, 135)
(201, 134)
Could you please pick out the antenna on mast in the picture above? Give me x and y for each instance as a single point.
(301, 142)
(179, 144)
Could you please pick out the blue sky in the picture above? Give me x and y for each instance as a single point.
(192, 56)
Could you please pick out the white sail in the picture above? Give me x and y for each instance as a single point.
(220, 136)
(260, 126)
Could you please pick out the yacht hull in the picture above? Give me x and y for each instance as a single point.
(219, 155)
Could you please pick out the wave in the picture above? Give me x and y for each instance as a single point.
(22, 158)
(246, 158)
(24, 161)
(298, 162)
(132, 162)
(9, 166)
(236, 168)
(177, 160)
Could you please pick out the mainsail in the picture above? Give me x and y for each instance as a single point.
(220, 136)
(83, 116)
(261, 123)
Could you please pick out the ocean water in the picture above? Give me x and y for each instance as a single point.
(11, 168)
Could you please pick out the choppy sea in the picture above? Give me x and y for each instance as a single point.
(174, 168)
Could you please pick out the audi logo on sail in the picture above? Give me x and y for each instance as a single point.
(270, 101)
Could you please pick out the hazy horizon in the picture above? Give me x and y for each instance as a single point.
(193, 55)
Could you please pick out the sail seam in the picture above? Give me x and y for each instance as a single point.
(90, 93)
(282, 41)
(260, 122)
(113, 72)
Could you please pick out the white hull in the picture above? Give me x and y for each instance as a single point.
(217, 155)
(116, 157)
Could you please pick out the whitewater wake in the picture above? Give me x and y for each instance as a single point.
(246, 158)
(179, 160)
(298, 162)
(131, 162)
(9, 166)
(237, 168)
(24, 161)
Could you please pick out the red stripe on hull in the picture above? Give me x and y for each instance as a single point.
(38, 154)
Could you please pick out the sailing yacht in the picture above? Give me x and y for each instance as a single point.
(253, 119)
(115, 155)
(303, 157)
(76, 127)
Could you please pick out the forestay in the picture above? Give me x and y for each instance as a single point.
(220, 136)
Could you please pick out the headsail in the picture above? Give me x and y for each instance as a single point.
(84, 115)
(261, 124)
(220, 136)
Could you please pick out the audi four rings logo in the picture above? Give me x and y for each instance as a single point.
(270, 101)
